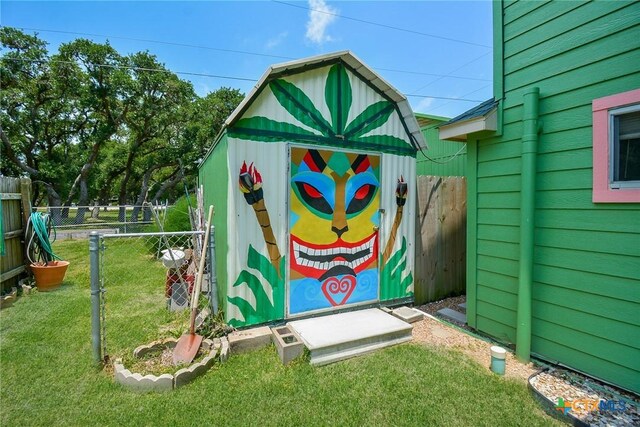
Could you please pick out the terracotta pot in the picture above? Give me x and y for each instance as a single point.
(49, 277)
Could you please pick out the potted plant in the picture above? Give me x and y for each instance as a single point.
(48, 268)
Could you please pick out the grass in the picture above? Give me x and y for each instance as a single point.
(47, 376)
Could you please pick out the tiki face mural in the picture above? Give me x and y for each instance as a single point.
(334, 201)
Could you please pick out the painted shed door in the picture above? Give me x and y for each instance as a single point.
(333, 227)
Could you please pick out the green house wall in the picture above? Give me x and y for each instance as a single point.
(444, 158)
(586, 276)
(214, 175)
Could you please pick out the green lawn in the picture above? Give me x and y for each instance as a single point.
(47, 376)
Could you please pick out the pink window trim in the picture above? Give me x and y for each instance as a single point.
(601, 191)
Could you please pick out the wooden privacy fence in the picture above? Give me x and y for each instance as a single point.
(15, 196)
(441, 233)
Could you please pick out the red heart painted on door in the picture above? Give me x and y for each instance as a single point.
(334, 289)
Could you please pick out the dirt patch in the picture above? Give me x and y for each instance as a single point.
(433, 333)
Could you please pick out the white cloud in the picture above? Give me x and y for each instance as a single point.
(423, 105)
(275, 41)
(319, 20)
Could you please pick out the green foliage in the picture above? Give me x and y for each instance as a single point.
(264, 310)
(338, 97)
(393, 278)
(178, 215)
(46, 365)
(88, 123)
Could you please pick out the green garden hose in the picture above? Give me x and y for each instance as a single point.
(39, 245)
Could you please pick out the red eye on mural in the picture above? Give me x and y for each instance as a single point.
(362, 192)
(361, 199)
(312, 192)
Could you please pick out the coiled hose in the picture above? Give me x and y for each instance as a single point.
(38, 230)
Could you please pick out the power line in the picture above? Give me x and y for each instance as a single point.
(453, 71)
(391, 27)
(242, 52)
(466, 94)
(415, 95)
(219, 49)
(163, 70)
(432, 74)
(127, 67)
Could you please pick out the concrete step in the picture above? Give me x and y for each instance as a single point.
(463, 306)
(450, 314)
(340, 336)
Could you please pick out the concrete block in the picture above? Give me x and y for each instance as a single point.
(408, 314)
(456, 316)
(224, 350)
(249, 339)
(385, 309)
(288, 344)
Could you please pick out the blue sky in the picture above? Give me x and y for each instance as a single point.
(280, 30)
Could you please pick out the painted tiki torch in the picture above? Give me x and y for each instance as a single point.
(251, 186)
(401, 198)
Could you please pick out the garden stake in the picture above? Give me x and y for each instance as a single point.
(188, 344)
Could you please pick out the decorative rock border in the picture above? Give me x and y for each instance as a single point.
(166, 382)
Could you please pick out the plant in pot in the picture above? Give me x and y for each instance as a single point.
(48, 268)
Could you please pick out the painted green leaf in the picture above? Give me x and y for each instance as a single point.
(266, 130)
(338, 97)
(393, 286)
(264, 311)
(374, 116)
(298, 104)
(388, 141)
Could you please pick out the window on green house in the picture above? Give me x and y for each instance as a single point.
(616, 148)
(625, 147)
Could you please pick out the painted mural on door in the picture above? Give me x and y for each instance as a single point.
(333, 219)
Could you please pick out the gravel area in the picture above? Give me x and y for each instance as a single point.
(553, 384)
(561, 383)
(434, 333)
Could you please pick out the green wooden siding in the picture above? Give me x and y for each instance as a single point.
(214, 176)
(443, 158)
(586, 290)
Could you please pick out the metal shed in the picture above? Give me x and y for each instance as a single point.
(312, 177)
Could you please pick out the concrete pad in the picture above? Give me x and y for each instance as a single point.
(249, 339)
(339, 336)
(456, 316)
(463, 305)
(408, 314)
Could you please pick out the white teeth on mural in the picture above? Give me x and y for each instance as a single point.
(301, 254)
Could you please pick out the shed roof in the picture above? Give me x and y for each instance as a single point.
(480, 118)
(357, 66)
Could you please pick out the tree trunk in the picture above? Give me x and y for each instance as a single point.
(54, 205)
(142, 196)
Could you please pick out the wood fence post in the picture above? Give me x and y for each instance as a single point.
(25, 197)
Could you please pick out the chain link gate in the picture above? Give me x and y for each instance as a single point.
(131, 267)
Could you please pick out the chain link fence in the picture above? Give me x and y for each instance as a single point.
(80, 221)
(149, 276)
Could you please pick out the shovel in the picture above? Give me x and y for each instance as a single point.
(188, 344)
